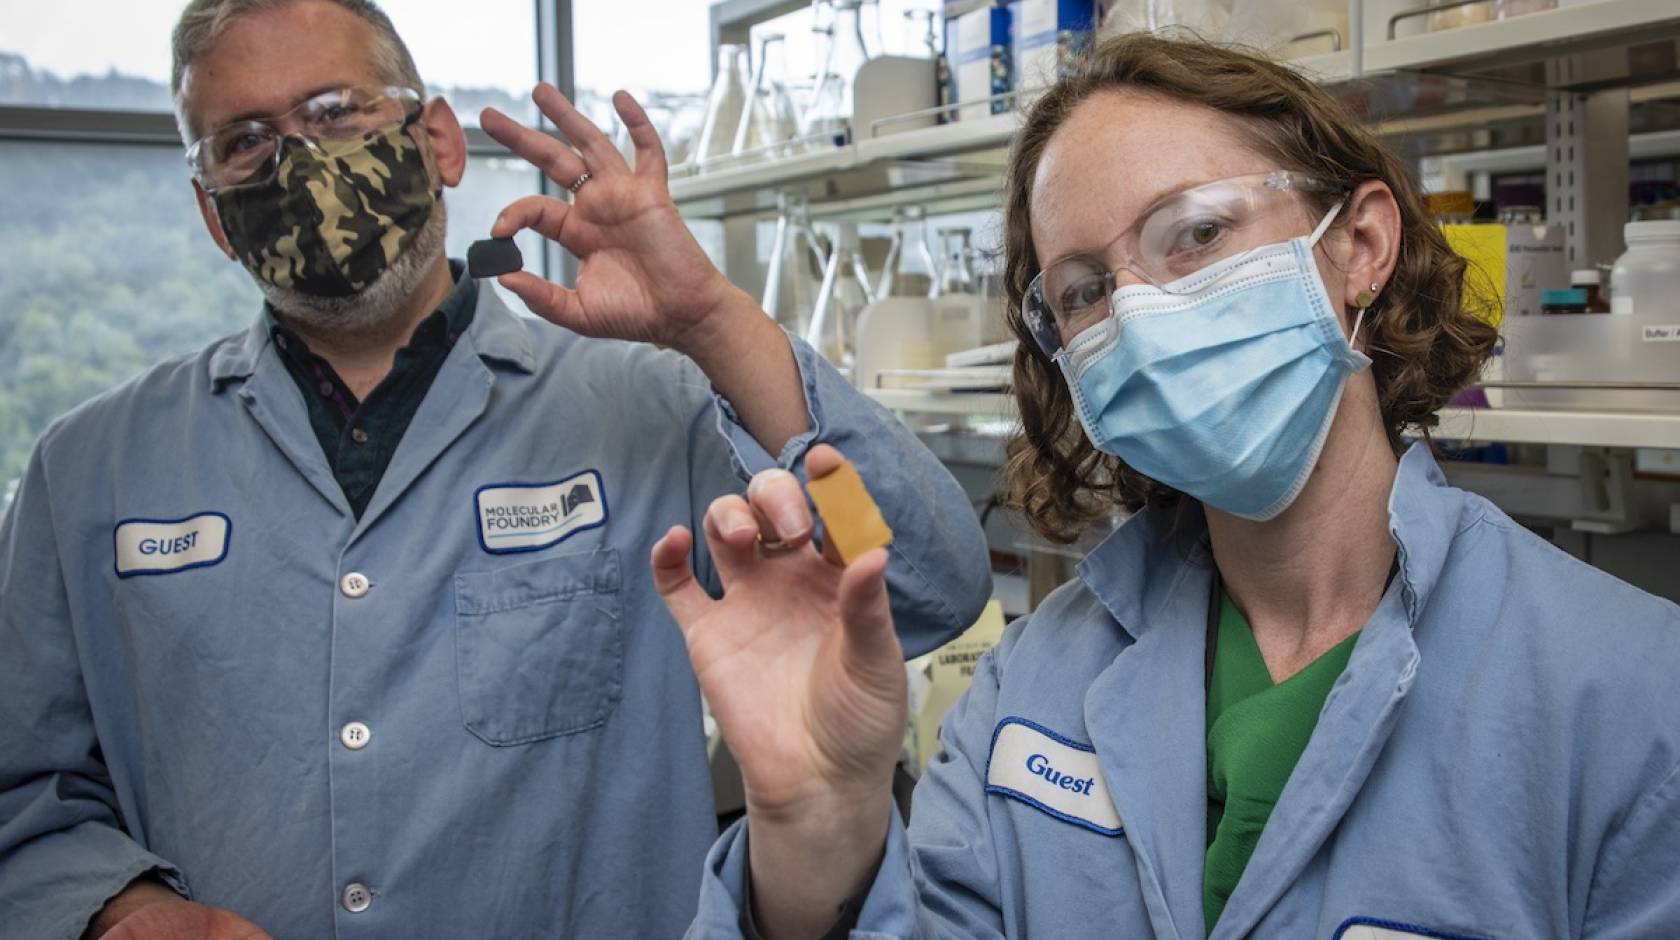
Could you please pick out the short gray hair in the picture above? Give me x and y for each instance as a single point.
(203, 22)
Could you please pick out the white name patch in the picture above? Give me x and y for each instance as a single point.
(163, 546)
(1372, 928)
(1060, 776)
(524, 517)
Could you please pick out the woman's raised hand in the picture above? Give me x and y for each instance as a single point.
(804, 674)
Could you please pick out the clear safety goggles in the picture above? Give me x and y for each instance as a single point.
(249, 151)
(1179, 235)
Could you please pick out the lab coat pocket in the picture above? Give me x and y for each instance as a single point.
(539, 647)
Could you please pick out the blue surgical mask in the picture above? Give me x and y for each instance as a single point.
(1222, 386)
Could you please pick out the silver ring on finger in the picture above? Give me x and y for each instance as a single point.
(579, 184)
(770, 548)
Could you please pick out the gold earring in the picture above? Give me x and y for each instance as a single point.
(1366, 297)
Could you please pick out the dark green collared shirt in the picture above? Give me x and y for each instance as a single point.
(359, 437)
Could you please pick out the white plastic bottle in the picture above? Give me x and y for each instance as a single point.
(1645, 285)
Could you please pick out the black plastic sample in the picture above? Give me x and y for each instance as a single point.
(493, 256)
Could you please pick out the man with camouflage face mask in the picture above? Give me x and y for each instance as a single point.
(345, 625)
(321, 220)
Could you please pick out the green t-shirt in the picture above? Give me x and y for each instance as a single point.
(1256, 732)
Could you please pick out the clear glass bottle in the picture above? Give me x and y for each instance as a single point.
(927, 33)
(765, 123)
(798, 259)
(910, 269)
(957, 277)
(724, 105)
(988, 272)
(844, 292)
(822, 36)
(869, 27)
(830, 113)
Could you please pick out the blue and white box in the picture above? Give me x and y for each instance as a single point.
(977, 44)
(1051, 36)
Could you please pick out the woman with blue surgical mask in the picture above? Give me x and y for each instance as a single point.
(1307, 689)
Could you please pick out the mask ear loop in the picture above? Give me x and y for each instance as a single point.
(1324, 223)
(1365, 299)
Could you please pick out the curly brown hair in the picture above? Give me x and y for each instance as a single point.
(1425, 341)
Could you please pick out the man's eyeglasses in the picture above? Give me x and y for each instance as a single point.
(249, 151)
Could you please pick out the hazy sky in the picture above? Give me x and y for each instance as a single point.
(491, 46)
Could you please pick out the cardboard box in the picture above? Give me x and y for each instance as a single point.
(978, 47)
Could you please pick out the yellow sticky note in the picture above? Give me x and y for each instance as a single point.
(851, 519)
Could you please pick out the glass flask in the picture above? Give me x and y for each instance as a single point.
(957, 277)
(910, 268)
(798, 258)
(687, 115)
(766, 122)
(844, 292)
(869, 27)
(988, 272)
(830, 111)
(724, 105)
(928, 34)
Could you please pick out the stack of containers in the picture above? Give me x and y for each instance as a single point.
(1638, 342)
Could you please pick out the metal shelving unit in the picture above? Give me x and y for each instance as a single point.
(1489, 48)
(1564, 78)
(1508, 425)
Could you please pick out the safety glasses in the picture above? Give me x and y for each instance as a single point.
(249, 151)
(1179, 235)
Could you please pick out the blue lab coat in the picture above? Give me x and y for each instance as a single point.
(1499, 759)
(470, 704)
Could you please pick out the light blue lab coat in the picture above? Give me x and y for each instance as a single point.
(532, 762)
(1498, 761)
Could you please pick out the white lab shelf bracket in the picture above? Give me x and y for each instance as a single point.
(1586, 165)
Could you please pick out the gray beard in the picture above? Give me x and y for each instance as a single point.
(375, 305)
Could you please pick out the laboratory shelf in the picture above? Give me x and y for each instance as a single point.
(1567, 30)
(691, 191)
(1496, 81)
(884, 166)
(941, 140)
(1583, 428)
(943, 402)
(1507, 425)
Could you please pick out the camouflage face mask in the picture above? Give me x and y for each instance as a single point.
(335, 215)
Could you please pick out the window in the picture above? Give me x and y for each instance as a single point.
(106, 267)
(105, 55)
(489, 185)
